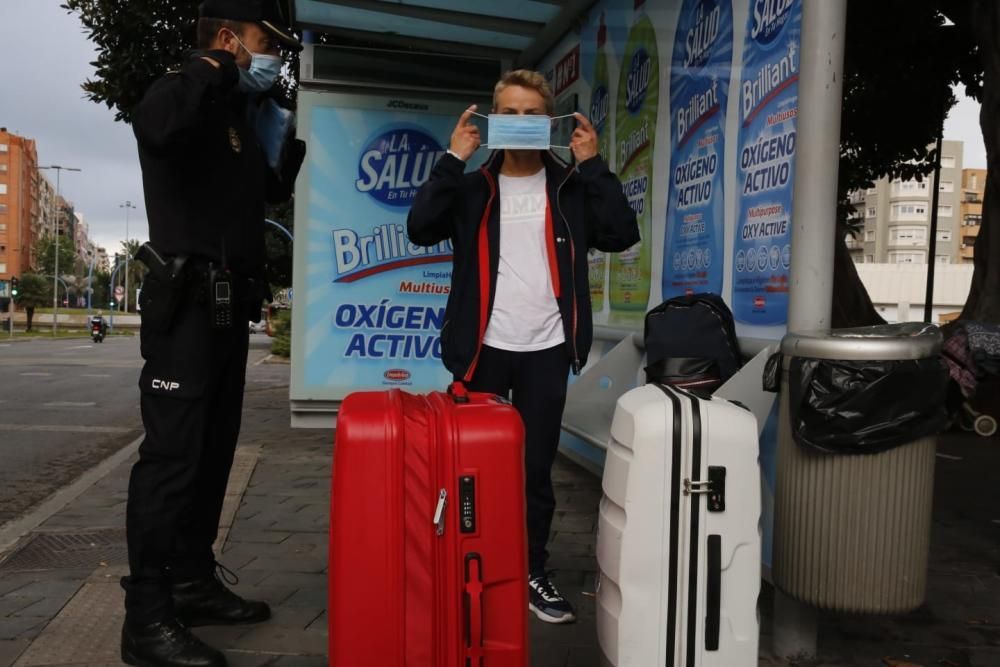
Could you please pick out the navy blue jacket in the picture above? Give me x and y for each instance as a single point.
(587, 210)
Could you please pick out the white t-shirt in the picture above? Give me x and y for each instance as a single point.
(525, 315)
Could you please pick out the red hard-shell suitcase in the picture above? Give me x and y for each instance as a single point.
(428, 556)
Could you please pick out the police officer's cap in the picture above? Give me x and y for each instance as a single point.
(273, 16)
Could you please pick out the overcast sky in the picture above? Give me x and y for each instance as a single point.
(45, 56)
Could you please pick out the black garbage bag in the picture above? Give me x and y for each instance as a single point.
(866, 407)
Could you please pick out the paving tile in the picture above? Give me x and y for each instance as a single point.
(21, 627)
(222, 637)
(321, 540)
(11, 582)
(292, 641)
(308, 597)
(10, 650)
(273, 595)
(300, 661)
(236, 658)
(294, 580)
(259, 537)
(87, 630)
(296, 617)
(304, 565)
(12, 604)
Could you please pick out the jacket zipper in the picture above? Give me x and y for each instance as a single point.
(484, 294)
(572, 268)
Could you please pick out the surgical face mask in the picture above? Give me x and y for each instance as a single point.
(263, 72)
(520, 132)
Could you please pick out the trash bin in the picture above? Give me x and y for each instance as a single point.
(855, 480)
(6, 325)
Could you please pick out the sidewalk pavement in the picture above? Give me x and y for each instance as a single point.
(60, 602)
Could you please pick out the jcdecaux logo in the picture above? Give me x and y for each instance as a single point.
(769, 17)
(394, 165)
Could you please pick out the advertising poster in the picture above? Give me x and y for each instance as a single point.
(371, 304)
(694, 243)
(766, 165)
(636, 112)
(601, 96)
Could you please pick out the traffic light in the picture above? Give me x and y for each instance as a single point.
(13, 287)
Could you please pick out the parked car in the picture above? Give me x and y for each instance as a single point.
(258, 327)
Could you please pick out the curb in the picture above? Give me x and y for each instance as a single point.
(14, 530)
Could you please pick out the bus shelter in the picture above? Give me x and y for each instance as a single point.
(721, 118)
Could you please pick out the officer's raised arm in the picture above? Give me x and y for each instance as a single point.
(180, 104)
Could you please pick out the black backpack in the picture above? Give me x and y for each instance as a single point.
(691, 343)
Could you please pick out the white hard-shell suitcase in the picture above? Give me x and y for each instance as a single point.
(679, 540)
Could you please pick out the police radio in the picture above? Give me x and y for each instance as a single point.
(221, 297)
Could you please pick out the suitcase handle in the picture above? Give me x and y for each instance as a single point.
(458, 392)
(713, 615)
(474, 610)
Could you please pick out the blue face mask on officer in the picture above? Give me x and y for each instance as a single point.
(264, 70)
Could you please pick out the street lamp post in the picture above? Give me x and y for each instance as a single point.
(127, 205)
(55, 222)
(111, 291)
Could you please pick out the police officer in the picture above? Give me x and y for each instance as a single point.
(206, 179)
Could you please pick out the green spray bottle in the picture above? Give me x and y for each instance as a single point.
(635, 128)
(601, 99)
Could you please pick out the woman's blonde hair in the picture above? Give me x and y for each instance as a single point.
(526, 78)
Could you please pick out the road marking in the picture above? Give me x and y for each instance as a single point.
(95, 375)
(80, 347)
(4, 344)
(55, 428)
(69, 404)
(36, 375)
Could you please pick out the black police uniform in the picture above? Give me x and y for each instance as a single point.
(206, 181)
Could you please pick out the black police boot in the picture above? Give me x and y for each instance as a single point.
(166, 644)
(208, 601)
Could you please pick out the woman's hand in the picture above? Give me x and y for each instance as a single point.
(584, 140)
(465, 139)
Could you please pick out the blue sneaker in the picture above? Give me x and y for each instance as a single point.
(547, 603)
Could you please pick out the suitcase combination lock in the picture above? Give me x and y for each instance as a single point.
(714, 487)
(467, 504)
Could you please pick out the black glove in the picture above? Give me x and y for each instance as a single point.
(226, 75)
(295, 155)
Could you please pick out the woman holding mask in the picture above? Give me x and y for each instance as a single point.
(519, 315)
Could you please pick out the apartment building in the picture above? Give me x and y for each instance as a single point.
(86, 250)
(971, 216)
(18, 202)
(895, 216)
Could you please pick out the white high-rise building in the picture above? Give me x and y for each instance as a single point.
(896, 216)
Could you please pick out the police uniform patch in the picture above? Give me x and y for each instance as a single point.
(234, 140)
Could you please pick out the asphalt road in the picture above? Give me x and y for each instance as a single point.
(66, 405)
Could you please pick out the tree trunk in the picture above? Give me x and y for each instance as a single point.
(984, 298)
(852, 307)
(30, 311)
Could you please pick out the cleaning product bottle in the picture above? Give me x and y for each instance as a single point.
(700, 70)
(635, 127)
(600, 116)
